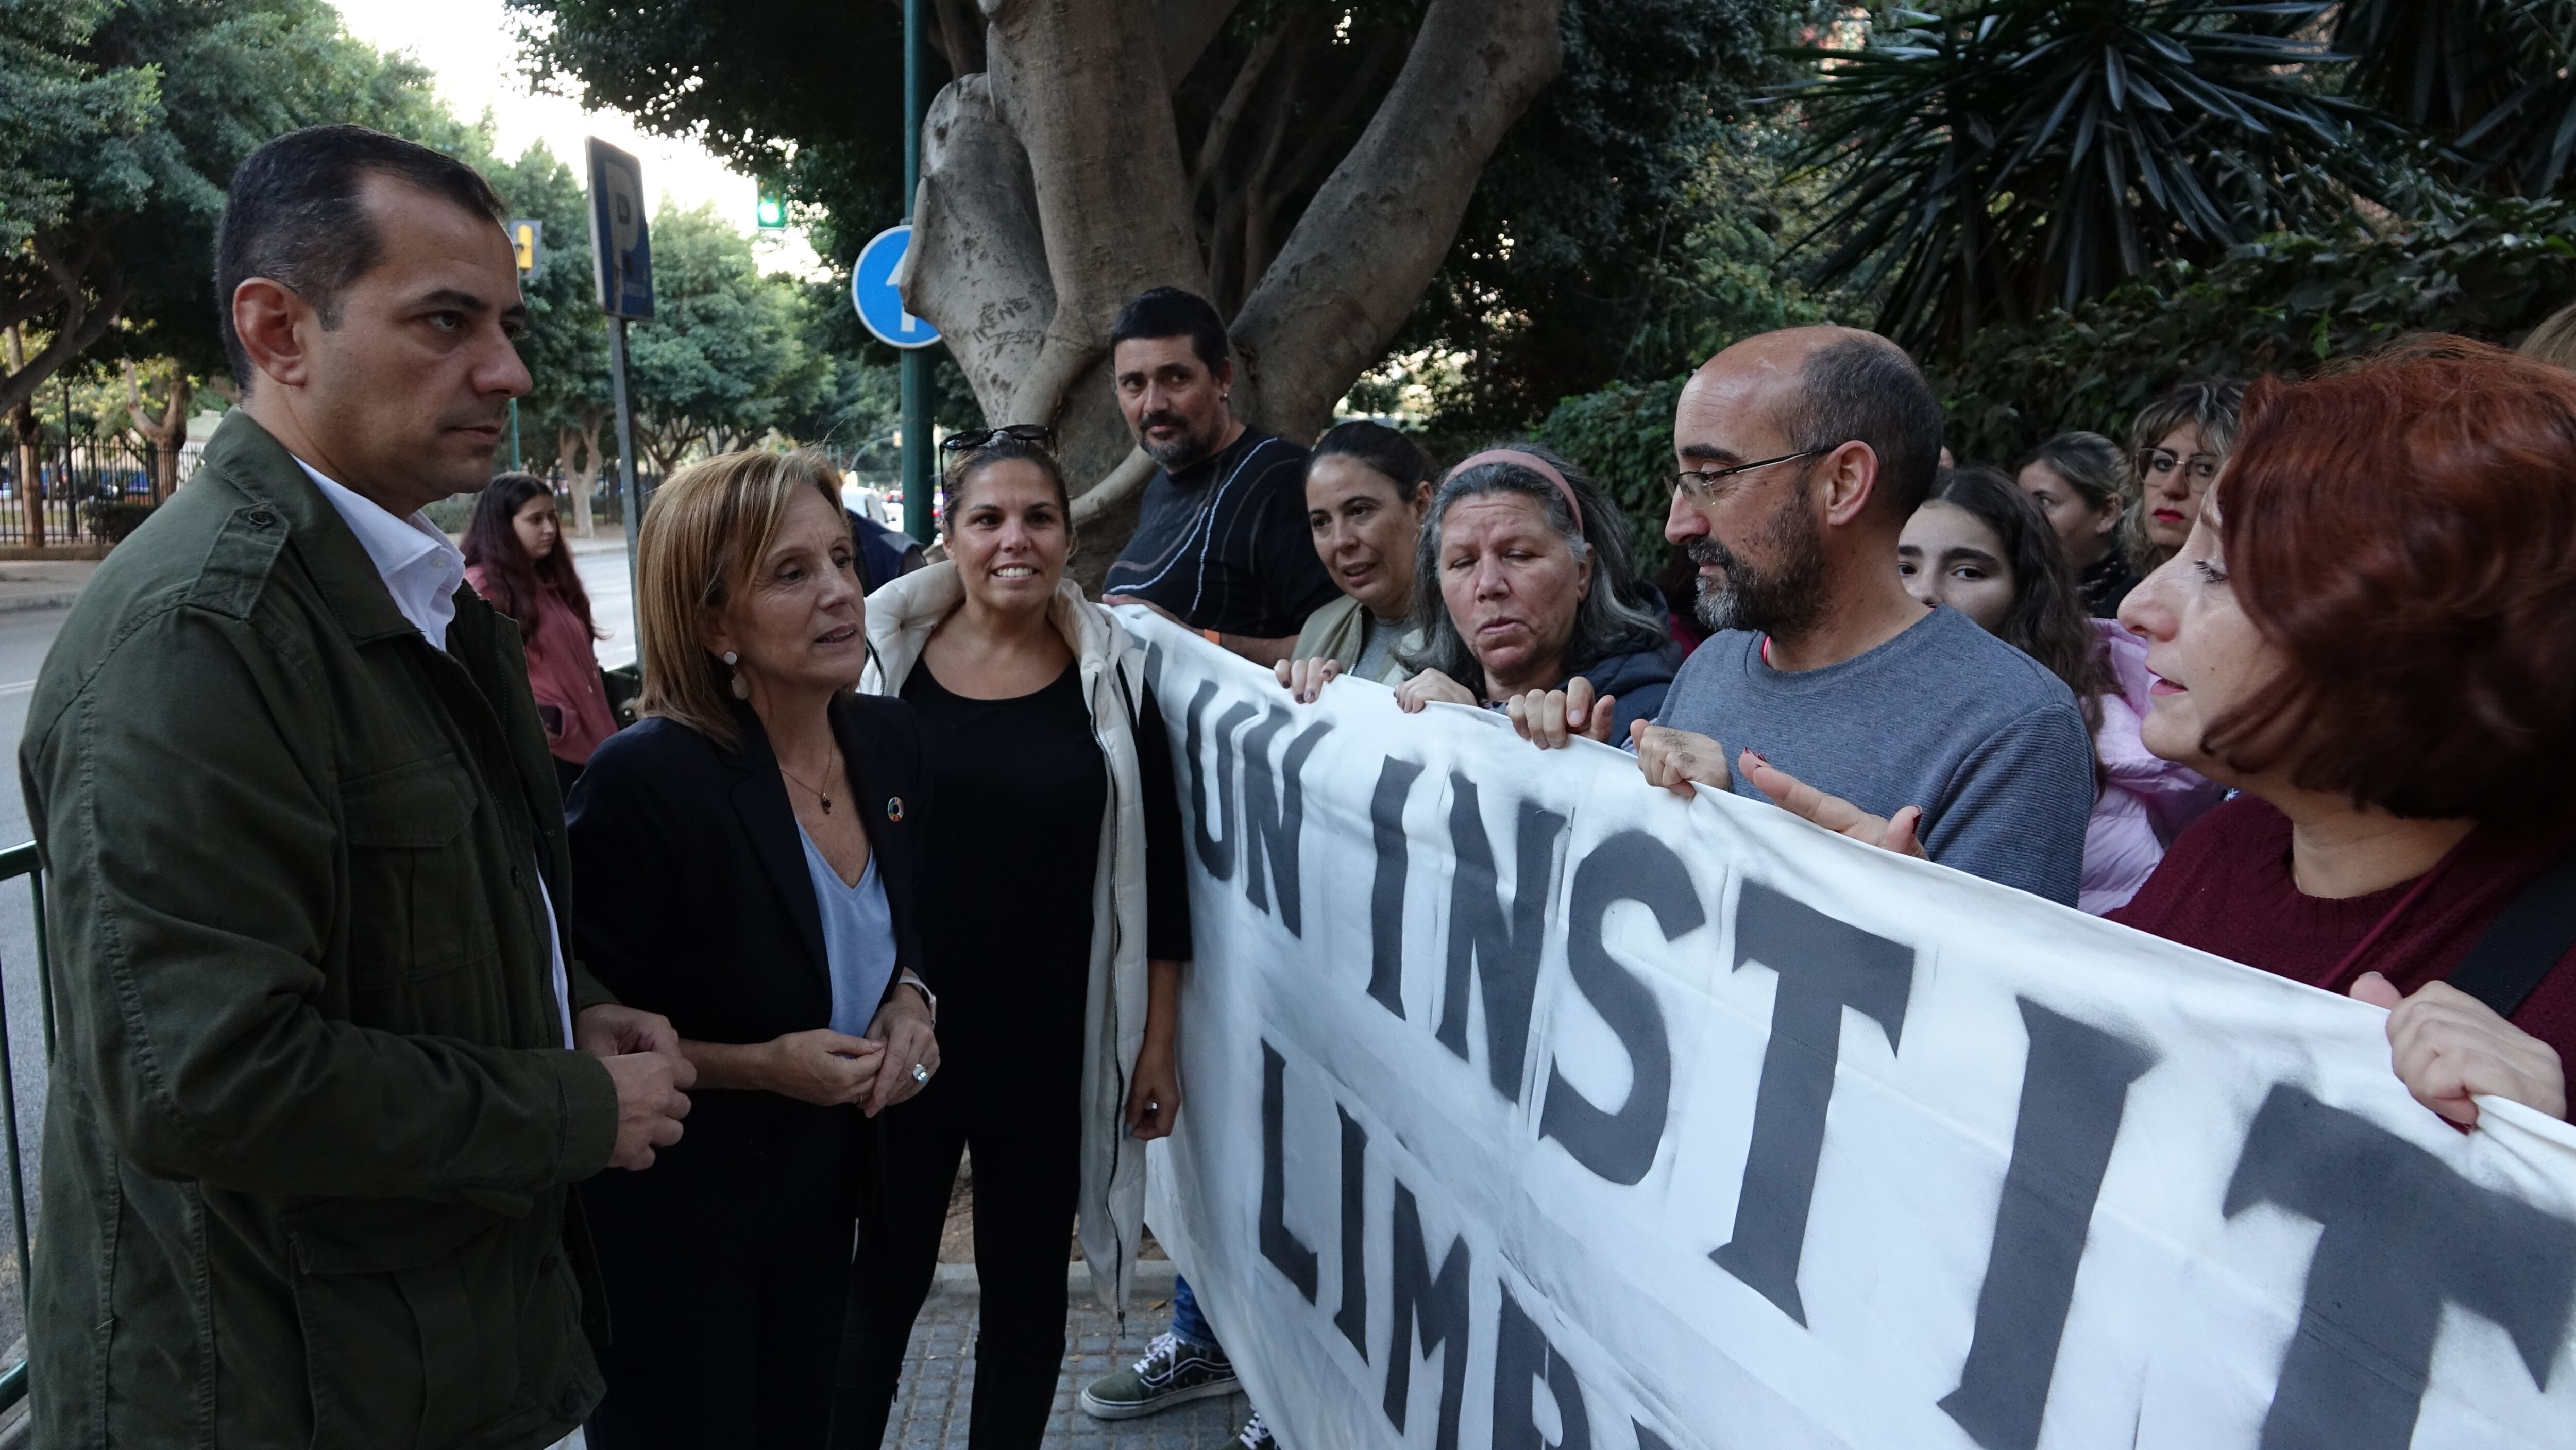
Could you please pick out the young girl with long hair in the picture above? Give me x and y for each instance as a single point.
(1981, 545)
(515, 558)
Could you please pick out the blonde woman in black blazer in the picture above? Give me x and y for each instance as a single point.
(744, 863)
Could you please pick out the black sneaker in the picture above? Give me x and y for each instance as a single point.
(1256, 1435)
(1173, 1372)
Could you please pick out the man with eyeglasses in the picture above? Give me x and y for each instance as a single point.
(1801, 455)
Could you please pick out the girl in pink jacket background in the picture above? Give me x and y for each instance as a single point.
(1980, 546)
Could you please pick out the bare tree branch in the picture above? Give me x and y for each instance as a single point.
(1378, 228)
(1132, 473)
(1182, 30)
(1238, 94)
(84, 319)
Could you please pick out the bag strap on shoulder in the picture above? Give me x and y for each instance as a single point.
(2538, 926)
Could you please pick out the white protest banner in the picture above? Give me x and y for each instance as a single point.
(1528, 1106)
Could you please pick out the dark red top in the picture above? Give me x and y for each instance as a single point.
(2225, 888)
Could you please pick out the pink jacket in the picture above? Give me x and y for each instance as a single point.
(563, 674)
(2146, 800)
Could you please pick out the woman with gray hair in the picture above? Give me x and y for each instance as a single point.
(1523, 586)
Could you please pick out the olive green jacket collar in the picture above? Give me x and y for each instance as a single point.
(256, 463)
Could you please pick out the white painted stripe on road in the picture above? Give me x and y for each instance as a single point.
(21, 685)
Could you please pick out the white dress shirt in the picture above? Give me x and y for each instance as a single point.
(422, 570)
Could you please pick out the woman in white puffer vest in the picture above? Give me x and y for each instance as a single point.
(1054, 920)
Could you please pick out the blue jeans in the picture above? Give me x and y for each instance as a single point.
(1188, 1325)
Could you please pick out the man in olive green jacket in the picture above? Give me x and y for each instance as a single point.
(316, 1107)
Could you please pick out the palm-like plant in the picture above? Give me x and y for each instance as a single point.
(2494, 78)
(2002, 157)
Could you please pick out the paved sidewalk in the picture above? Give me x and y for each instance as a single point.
(939, 1382)
(43, 583)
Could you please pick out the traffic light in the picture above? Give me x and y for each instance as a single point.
(772, 213)
(526, 237)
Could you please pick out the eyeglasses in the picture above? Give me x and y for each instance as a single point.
(1700, 485)
(2155, 461)
(974, 438)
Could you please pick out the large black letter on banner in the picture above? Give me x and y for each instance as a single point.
(1352, 1317)
(2404, 1235)
(1386, 894)
(1216, 855)
(1522, 1356)
(1630, 866)
(2074, 1090)
(1438, 1308)
(1278, 1245)
(1274, 814)
(1502, 953)
(1823, 965)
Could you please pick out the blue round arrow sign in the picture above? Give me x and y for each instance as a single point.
(873, 292)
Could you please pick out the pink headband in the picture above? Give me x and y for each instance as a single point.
(1534, 464)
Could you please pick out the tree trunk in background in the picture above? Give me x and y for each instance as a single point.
(1053, 189)
(167, 434)
(22, 420)
(581, 443)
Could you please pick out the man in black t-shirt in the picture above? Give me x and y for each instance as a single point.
(1222, 543)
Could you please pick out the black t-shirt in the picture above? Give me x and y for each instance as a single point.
(1005, 895)
(1224, 544)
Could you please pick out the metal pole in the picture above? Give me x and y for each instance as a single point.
(514, 435)
(629, 505)
(917, 401)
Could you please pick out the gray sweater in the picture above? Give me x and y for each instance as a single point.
(1944, 716)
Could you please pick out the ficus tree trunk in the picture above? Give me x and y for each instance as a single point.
(578, 447)
(1055, 186)
(167, 433)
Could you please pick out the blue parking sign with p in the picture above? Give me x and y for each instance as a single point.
(873, 292)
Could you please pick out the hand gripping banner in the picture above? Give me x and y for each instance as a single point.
(1526, 1105)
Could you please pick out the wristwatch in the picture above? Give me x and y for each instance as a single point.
(929, 998)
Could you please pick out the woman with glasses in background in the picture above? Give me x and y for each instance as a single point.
(2178, 442)
(1055, 920)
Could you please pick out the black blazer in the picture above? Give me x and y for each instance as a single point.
(691, 898)
(691, 894)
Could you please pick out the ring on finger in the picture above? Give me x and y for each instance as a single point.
(920, 1073)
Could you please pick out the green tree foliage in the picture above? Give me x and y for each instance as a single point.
(120, 123)
(725, 358)
(2491, 79)
(1997, 158)
(2280, 304)
(1623, 436)
(566, 345)
(1615, 228)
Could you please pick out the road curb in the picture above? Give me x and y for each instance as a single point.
(20, 603)
(1152, 1280)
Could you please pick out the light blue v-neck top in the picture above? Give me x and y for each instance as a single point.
(858, 938)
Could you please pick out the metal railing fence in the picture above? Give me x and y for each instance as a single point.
(15, 862)
(79, 484)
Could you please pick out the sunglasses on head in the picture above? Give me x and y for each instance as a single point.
(974, 438)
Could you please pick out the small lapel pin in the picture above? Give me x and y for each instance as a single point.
(894, 808)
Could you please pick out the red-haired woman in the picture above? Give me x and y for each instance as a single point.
(515, 559)
(2371, 632)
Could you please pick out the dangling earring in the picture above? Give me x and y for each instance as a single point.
(741, 686)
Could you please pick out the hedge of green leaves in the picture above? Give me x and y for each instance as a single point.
(2282, 304)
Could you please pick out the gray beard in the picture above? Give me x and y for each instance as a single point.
(1182, 454)
(1786, 599)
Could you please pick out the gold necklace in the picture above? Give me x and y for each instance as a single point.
(822, 795)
